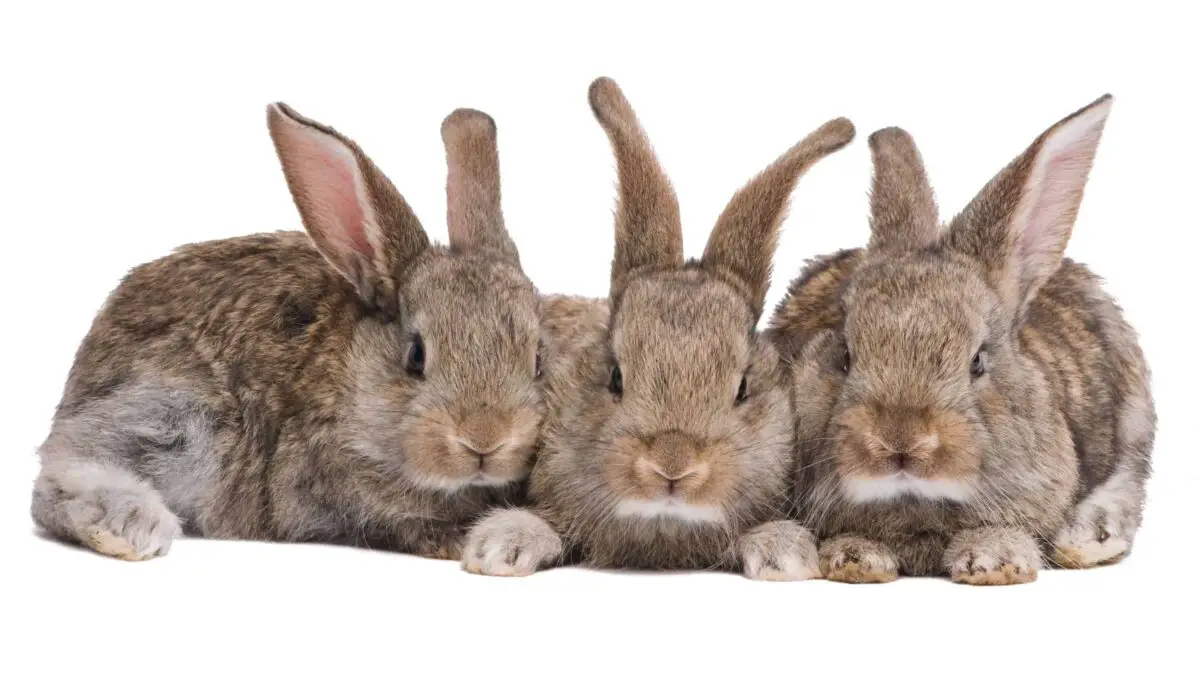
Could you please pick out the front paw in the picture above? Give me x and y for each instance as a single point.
(993, 556)
(856, 560)
(511, 543)
(779, 551)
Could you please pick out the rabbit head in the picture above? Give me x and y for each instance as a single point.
(935, 390)
(677, 418)
(446, 354)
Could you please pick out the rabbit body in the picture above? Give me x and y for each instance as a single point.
(964, 402)
(371, 389)
(667, 442)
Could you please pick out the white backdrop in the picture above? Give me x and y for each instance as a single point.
(130, 130)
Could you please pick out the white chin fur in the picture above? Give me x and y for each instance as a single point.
(452, 485)
(671, 509)
(898, 485)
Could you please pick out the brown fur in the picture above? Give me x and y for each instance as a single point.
(1055, 438)
(247, 389)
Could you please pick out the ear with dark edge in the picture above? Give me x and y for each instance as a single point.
(1019, 224)
(745, 237)
(904, 214)
(473, 186)
(648, 229)
(352, 212)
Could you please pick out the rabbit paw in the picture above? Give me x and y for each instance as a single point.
(1096, 534)
(855, 560)
(993, 556)
(779, 551)
(511, 543)
(124, 525)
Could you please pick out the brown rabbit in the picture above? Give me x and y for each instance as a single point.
(373, 388)
(668, 439)
(964, 397)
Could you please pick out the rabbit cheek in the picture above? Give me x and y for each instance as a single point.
(958, 453)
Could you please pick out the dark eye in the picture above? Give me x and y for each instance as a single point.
(844, 361)
(979, 364)
(537, 365)
(415, 364)
(743, 391)
(615, 385)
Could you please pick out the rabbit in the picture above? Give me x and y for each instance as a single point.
(966, 398)
(667, 442)
(355, 385)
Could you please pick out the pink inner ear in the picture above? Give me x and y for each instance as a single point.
(1045, 222)
(329, 177)
(1056, 187)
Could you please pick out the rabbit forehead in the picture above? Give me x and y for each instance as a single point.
(681, 305)
(922, 302)
(684, 329)
(464, 292)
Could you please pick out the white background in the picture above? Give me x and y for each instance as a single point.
(129, 131)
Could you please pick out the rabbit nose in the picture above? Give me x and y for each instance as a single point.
(483, 432)
(481, 450)
(674, 477)
(912, 453)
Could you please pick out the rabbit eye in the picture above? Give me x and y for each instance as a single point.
(743, 391)
(415, 363)
(537, 366)
(979, 364)
(844, 361)
(615, 384)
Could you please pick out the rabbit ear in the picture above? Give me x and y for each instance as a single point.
(353, 213)
(648, 229)
(1019, 224)
(903, 213)
(745, 236)
(473, 186)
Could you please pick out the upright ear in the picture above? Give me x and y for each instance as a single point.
(473, 186)
(648, 228)
(1019, 224)
(353, 213)
(745, 237)
(903, 212)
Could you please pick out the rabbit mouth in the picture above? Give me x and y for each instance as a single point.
(903, 483)
(484, 479)
(670, 508)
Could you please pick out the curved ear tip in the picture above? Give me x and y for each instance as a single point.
(279, 111)
(840, 131)
(889, 136)
(605, 96)
(467, 122)
(1103, 103)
